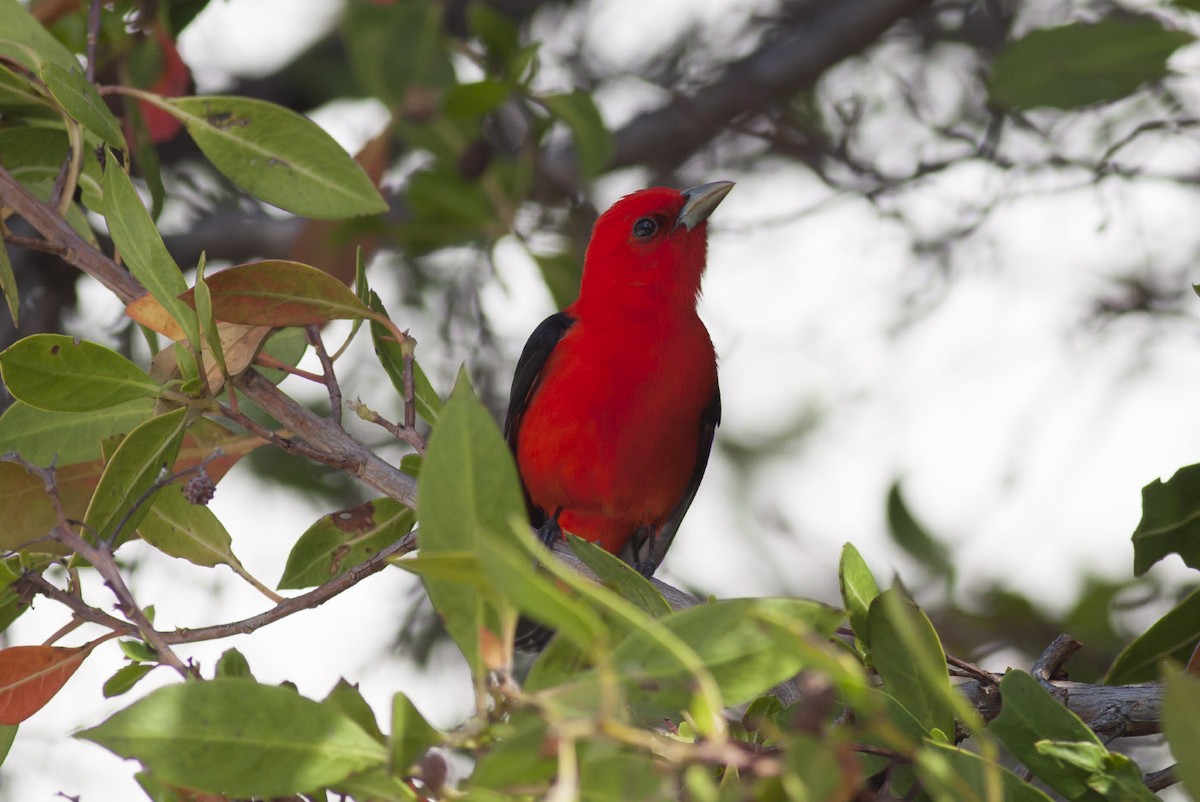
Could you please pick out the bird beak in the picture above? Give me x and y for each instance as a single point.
(700, 203)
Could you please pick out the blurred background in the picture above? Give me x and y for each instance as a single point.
(951, 295)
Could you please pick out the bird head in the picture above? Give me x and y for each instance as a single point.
(651, 245)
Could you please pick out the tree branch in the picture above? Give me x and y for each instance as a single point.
(319, 432)
(76, 250)
(306, 601)
(782, 66)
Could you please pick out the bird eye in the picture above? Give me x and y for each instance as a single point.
(645, 228)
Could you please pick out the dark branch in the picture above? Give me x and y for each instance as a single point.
(785, 64)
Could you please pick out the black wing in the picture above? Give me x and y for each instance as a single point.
(661, 540)
(525, 382)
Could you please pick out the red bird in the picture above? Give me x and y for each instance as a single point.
(615, 399)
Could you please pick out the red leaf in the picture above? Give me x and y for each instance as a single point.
(30, 676)
(172, 81)
(277, 293)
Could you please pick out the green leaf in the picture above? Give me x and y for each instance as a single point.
(475, 99)
(347, 700)
(1114, 776)
(276, 292)
(1170, 520)
(66, 437)
(914, 538)
(909, 658)
(277, 155)
(376, 785)
(468, 492)
(239, 738)
(497, 31)
(611, 773)
(8, 285)
(79, 98)
(27, 42)
(737, 640)
(441, 198)
(397, 46)
(36, 154)
(288, 346)
(142, 248)
(341, 540)
(619, 577)
(956, 775)
(61, 374)
(412, 735)
(1080, 64)
(520, 756)
(461, 567)
(191, 532)
(131, 472)
(391, 357)
(204, 316)
(593, 143)
(858, 588)
(512, 576)
(8, 734)
(1172, 636)
(1181, 723)
(233, 664)
(818, 764)
(558, 663)
(126, 677)
(562, 273)
(1030, 715)
(138, 651)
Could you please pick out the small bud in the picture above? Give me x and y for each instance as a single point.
(199, 489)
(363, 411)
(408, 345)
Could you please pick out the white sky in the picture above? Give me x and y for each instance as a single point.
(1020, 434)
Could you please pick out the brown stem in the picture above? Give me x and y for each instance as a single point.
(76, 250)
(81, 609)
(329, 380)
(410, 393)
(323, 436)
(1158, 780)
(93, 38)
(35, 244)
(1052, 659)
(405, 433)
(306, 601)
(101, 558)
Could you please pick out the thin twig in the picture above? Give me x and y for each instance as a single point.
(405, 433)
(164, 478)
(101, 558)
(35, 244)
(271, 363)
(410, 391)
(93, 38)
(77, 251)
(1048, 664)
(1163, 778)
(288, 444)
(972, 670)
(63, 631)
(329, 380)
(81, 609)
(306, 601)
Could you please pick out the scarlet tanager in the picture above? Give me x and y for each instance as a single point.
(615, 399)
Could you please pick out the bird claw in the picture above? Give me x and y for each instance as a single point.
(550, 532)
(646, 567)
